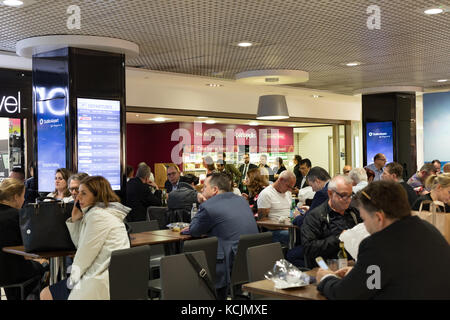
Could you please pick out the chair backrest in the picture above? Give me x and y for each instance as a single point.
(141, 226)
(261, 259)
(180, 281)
(239, 273)
(128, 274)
(159, 214)
(209, 246)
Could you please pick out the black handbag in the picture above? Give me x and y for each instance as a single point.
(43, 226)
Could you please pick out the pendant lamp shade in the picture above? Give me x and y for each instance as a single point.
(272, 107)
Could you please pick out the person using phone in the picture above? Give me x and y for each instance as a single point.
(404, 258)
(96, 231)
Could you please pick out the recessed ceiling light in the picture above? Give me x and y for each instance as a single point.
(442, 80)
(210, 121)
(245, 44)
(137, 115)
(13, 3)
(159, 119)
(316, 96)
(353, 64)
(253, 123)
(214, 85)
(433, 11)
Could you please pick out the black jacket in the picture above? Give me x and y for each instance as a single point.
(321, 230)
(180, 203)
(298, 176)
(139, 197)
(13, 268)
(413, 260)
(412, 195)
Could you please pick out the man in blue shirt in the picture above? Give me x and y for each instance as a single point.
(377, 166)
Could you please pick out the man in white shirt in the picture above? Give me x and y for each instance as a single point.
(274, 202)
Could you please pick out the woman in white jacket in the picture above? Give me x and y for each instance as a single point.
(96, 231)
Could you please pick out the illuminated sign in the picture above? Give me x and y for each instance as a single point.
(10, 105)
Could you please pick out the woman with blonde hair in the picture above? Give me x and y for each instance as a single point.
(440, 191)
(14, 268)
(96, 231)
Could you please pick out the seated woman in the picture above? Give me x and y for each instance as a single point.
(255, 183)
(61, 186)
(440, 191)
(96, 231)
(14, 268)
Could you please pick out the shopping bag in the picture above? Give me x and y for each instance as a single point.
(436, 216)
(43, 226)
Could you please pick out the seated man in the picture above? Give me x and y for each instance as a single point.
(417, 181)
(318, 179)
(323, 225)
(275, 202)
(173, 178)
(226, 216)
(394, 172)
(403, 258)
(139, 195)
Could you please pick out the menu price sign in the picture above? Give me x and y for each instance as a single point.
(99, 139)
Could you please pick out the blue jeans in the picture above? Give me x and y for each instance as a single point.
(280, 236)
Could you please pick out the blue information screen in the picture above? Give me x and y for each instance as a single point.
(380, 139)
(99, 139)
(51, 140)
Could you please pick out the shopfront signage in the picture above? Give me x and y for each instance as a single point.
(10, 105)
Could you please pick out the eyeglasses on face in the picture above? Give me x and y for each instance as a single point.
(343, 196)
(73, 189)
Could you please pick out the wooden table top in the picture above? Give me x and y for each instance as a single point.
(267, 288)
(137, 239)
(275, 223)
(20, 250)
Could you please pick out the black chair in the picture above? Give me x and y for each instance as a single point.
(180, 281)
(128, 273)
(23, 285)
(239, 272)
(261, 259)
(209, 246)
(159, 214)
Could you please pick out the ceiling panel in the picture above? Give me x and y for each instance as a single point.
(318, 36)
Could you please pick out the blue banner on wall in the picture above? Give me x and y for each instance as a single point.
(436, 128)
(51, 137)
(380, 139)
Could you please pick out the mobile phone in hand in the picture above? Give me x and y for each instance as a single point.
(322, 263)
(77, 204)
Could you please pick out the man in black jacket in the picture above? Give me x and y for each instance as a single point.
(323, 225)
(394, 172)
(139, 195)
(404, 258)
(244, 169)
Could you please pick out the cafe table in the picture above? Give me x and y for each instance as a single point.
(57, 261)
(276, 224)
(267, 288)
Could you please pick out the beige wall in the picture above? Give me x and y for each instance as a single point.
(313, 143)
(174, 91)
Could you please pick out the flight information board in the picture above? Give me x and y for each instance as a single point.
(99, 139)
